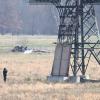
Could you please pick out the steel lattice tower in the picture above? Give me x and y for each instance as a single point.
(78, 28)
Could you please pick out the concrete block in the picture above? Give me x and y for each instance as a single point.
(73, 79)
(57, 78)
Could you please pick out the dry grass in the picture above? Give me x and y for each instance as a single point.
(27, 76)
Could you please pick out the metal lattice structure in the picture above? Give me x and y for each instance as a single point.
(78, 28)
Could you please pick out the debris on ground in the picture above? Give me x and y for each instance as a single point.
(27, 50)
(19, 48)
(37, 50)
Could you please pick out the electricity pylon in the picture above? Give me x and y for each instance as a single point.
(78, 28)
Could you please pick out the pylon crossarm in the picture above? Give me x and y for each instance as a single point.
(34, 2)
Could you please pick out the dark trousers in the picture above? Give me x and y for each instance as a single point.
(5, 77)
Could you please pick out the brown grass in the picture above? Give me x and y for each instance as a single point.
(27, 79)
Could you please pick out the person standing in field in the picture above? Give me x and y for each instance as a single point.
(5, 74)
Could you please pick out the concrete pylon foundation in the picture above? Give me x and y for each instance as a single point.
(61, 64)
(70, 79)
(60, 69)
(61, 60)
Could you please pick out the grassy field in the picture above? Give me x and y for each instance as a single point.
(27, 73)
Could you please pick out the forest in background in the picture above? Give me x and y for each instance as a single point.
(18, 17)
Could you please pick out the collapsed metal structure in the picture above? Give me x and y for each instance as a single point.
(78, 28)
